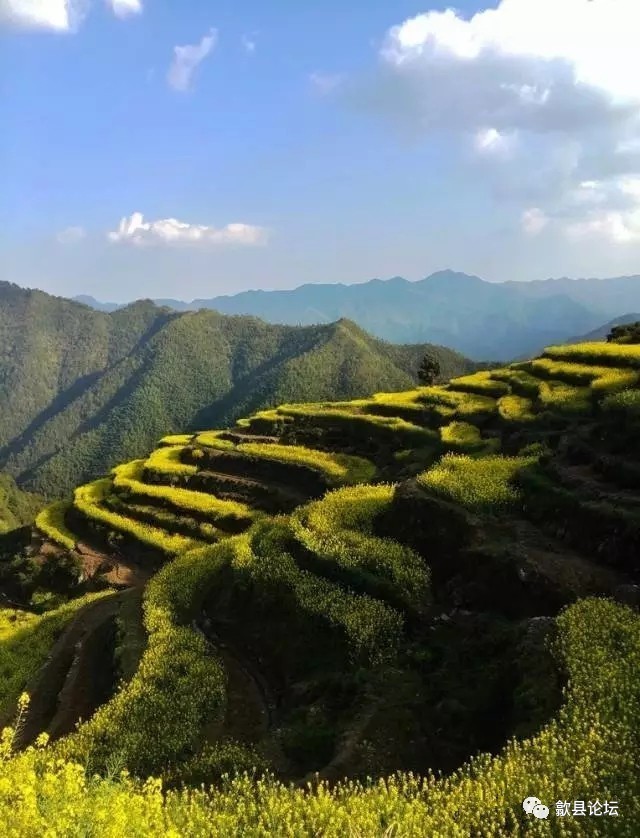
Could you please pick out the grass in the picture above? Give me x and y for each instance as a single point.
(88, 500)
(126, 478)
(338, 531)
(483, 484)
(166, 460)
(51, 522)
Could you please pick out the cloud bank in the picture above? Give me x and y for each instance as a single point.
(547, 93)
(169, 231)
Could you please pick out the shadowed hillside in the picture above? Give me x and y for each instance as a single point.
(81, 390)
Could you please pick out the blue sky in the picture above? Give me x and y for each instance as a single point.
(288, 142)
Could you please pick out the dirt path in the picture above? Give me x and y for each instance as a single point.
(78, 654)
(119, 571)
(251, 714)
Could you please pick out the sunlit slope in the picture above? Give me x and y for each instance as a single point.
(395, 583)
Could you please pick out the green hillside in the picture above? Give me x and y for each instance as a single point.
(395, 615)
(81, 390)
(16, 507)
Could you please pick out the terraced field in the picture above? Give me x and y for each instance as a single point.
(440, 580)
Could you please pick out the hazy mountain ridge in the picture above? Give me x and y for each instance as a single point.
(602, 331)
(81, 390)
(478, 318)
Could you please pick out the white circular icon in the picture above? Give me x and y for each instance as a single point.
(529, 804)
(541, 811)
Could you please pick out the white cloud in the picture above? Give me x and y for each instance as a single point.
(55, 15)
(58, 15)
(546, 91)
(71, 235)
(325, 83)
(187, 58)
(492, 141)
(533, 221)
(248, 43)
(125, 8)
(169, 231)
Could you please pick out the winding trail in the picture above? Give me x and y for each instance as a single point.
(70, 680)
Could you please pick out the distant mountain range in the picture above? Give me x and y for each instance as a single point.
(602, 331)
(484, 320)
(82, 390)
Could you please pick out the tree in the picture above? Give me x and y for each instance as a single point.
(629, 333)
(428, 370)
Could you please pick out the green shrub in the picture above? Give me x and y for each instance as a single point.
(624, 404)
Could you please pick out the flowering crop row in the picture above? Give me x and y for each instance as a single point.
(156, 718)
(478, 484)
(166, 460)
(51, 522)
(127, 479)
(368, 629)
(588, 751)
(88, 500)
(611, 354)
(337, 530)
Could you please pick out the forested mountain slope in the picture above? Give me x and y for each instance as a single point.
(16, 507)
(81, 390)
(441, 582)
